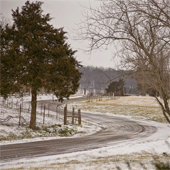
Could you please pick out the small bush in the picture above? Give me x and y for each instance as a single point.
(46, 129)
(58, 125)
(162, 166)
(38, 128)
(26, 134)
(65, 131)
(12, 136)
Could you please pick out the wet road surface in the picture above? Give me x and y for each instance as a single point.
(113, 131)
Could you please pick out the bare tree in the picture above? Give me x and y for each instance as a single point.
(142, 30)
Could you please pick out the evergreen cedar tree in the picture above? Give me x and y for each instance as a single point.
(36, 55)
(116, 87)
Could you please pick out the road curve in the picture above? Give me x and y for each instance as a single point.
(113, 130)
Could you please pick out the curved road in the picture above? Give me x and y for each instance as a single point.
(113, 130)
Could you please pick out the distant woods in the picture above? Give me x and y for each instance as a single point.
(96, 80)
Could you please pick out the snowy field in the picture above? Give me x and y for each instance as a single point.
(141, 154)
(52, 128)
(138, 107)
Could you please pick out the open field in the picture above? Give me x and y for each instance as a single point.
(140, 107)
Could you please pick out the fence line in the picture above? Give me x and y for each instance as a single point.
(73, 115)
(20, 107)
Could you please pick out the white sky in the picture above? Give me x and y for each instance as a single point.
(68, 14)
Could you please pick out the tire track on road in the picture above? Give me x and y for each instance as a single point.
(114, 130)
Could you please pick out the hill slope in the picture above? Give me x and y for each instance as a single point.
(96, 79)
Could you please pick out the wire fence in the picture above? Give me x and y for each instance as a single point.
(19, 111)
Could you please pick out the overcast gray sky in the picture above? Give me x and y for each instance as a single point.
(68, 14)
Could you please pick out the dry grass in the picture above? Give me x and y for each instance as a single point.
(136, 106)
(135, 161)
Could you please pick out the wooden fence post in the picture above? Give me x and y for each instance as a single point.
(22, 104)
(12, 103)
(28, 108)
(44, 115)
(73, 116)
(65, 115)
(48, 109)
(79, 117)
(3, 102)
(7, 102)
(16, 103)
(19, 115)
(41, 107)
(56, 111)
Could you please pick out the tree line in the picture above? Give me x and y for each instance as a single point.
(97, 79)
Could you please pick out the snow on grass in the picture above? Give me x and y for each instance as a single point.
(140, 154)
(53, 128)
(140, 107)
(137, 154)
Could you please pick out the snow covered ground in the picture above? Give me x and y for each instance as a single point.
(53, 128)
(140, 154)
(142, 151)
(139, 107)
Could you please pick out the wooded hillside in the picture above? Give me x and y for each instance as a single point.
(95, 79)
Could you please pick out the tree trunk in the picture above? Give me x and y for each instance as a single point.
(163, 110)
(33, 111)
(143, 89)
